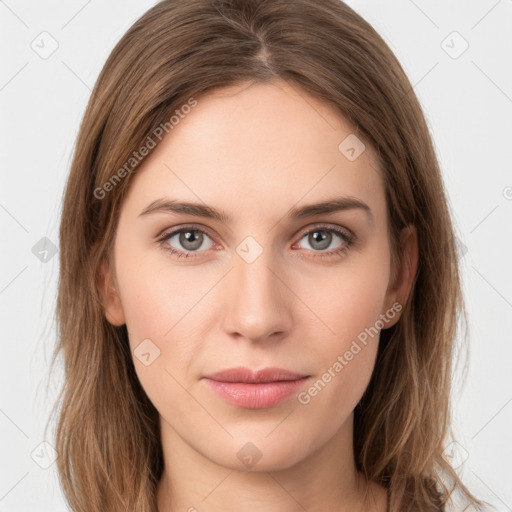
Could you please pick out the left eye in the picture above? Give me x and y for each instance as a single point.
(321, 238)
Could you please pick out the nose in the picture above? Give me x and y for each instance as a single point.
(258, 302)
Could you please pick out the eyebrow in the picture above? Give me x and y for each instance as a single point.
(310, 210)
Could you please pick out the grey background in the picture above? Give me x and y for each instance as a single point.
(467, 99)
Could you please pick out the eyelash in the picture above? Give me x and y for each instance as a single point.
(348, 238)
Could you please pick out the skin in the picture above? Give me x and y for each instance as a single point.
(256, 151)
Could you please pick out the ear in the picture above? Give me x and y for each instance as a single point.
(404, 271)
(110, 296)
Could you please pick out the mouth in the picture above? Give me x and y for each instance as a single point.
(255, 389)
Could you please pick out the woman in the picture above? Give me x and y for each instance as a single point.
(259, 287)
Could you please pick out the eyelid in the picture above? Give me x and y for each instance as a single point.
(200, 227)
(167, 232)
(328, 227)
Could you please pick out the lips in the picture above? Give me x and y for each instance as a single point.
(255, 389)
(248, 376)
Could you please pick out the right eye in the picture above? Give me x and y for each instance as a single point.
(189, 239)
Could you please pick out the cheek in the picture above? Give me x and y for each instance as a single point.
(345, 365)
(156, 299)
(348, 299)
(160, 338)
(165, 318)
(349, 305)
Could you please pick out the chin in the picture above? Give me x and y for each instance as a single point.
(258, 453)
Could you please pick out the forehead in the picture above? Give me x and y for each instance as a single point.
(252, 145)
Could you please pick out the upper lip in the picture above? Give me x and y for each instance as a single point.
(247, 375)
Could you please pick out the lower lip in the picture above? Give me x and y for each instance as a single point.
(256, 396)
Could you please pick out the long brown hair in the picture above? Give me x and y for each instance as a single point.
(107, 436)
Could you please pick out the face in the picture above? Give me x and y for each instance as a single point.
(267, 283)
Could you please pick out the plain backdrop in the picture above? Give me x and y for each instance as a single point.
(457, 55)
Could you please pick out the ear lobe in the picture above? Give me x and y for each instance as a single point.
(400, 289)
(110, 298)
